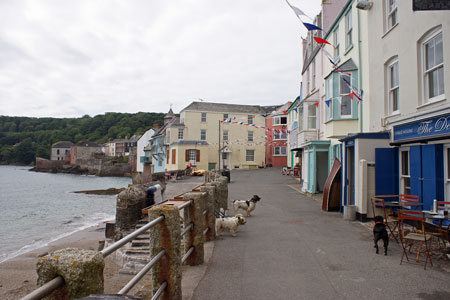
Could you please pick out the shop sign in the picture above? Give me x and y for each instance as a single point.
(431, 127)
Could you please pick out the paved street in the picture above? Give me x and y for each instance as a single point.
(291, 249)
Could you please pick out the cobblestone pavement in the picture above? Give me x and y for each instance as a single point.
(291, 249)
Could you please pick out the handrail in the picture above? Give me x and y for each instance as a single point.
(187, 254)
(141, 273)
(189, 227)
(109, 250)
(46, 289)
(58, 281)
(185, 204)
(159, 291)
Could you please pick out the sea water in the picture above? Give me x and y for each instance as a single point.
(38, 208)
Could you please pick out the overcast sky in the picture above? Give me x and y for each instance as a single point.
(70, 58)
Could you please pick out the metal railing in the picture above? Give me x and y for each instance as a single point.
(58, 281)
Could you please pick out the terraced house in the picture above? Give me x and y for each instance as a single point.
(216, 135)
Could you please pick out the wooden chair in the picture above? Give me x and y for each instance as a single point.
(408, 240)
(391, 223)
(409, 201)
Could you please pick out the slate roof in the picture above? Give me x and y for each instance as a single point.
(62, 144)
(223, 107)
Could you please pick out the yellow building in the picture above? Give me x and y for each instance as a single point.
(210, 135)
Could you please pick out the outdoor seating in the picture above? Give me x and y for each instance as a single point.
(392, 224)
(418, 235)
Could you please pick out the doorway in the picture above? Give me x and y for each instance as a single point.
(350, 175)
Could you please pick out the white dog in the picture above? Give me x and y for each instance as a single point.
(247, 205)
(230, 223)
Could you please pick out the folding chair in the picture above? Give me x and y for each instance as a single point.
(443, 231)
(408, 201)
(391, 223)
(408, 240)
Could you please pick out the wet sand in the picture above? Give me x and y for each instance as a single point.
(18, 276)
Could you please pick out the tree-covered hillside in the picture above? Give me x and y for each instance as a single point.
(23, 138)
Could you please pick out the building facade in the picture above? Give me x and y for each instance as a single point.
(276, 136)
(61, 150)
(410, 83)
(215, 136)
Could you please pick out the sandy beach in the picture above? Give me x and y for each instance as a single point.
(18, 276)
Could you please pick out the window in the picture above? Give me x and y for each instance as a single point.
(336, 43)
(249, 155)
(250, 119)
(280, 135)
(308, 84)
(393, 87)
(314, 74)
(280, 120)
(180, 133)
(192, 155)
(160, 162)
(225, 135)
(279, 151)
(433, 61)
(346, 102)
(225, 116)
(312, 116)
(250, 136)
(329, 98)
(391, 13)
(57, 151)
(348, 30)
(203, 117)
(405, 177)
(203, 134)
(300, 117)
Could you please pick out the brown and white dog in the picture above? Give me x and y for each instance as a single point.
(247, 205)
(230, 223)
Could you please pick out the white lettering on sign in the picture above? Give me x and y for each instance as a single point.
(425, 127)
(442, 124)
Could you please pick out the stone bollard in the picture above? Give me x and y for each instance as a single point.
(210, 219)
(194, 213)
(82, 271)
(221, 184)
(129, 205)
(166, 235)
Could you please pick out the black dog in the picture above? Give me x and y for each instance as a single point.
(380, 233)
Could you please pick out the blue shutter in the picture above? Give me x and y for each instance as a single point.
(415, 162)
(433, 174)
(386, 171)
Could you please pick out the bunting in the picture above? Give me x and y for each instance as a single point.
(311, 27)
(327, 102)
(322, 41)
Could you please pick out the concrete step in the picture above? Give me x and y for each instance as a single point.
(142, 237)
(137, 252)
(140, 243)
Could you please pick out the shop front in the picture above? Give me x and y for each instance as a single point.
(422, 154)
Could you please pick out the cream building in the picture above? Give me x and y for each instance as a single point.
(216, 135)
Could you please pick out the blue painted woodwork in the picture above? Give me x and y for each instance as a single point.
(386, 171)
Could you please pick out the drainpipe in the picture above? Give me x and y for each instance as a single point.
(360, 75)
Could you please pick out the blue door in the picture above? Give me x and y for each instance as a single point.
(386, 171)
(427, 173)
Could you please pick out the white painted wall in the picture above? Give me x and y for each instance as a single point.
(142, 142)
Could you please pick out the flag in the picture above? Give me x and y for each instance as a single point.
(285, 112)
(351, 95)
(298, 12)
(322, 41)
(310, 26)
(316, 104)
(296, 110)
(327, 102)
